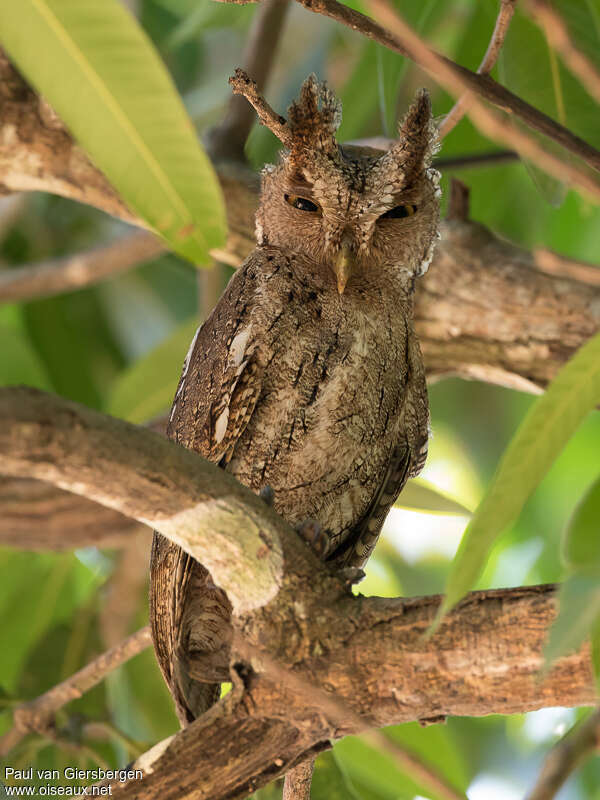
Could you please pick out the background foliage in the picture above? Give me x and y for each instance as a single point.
(119, 346)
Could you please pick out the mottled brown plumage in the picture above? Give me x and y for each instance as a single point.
(307, 378)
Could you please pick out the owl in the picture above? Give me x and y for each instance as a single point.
(307, 379)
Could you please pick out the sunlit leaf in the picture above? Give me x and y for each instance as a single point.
(101, 74)
(421, 495)
(581, 547)
(578, 616)
(147, 388)
(540, 438)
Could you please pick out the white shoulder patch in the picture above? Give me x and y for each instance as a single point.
(238, 346)
(221, 425)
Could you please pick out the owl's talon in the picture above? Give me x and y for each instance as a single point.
(267, 495)
(351, 575)
(314, 536)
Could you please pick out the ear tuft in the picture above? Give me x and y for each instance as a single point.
(418, 133)
(315, 117)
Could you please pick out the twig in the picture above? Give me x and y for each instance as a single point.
(559, 38)
(458, 204)
(296, 785)
(554, 264)
(36, 715)
(125, 588)
(579, 743)
(76, 271)
(244, 85)
(466, 80)
(476, 160)
(453, 79)
(458, 110)
(227, 139)
(452, 162)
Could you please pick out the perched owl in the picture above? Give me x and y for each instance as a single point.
(307, 378)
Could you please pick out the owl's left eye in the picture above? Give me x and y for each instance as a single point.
(398, 212)
(301, 203)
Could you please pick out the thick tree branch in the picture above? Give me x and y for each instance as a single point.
(369, 652)
(459, 109)
(380, 669)
(483, 310)
(580, 743)
(150, 479)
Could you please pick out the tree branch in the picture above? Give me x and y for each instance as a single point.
(37, 714)
(554, 264)
(461, 78)
(459, 109)
(39, 516)
(378, 666)
(472, 270)
(457, 80)
(227, 139)
(79, 270)
(579, 743)
(150, 479)
(289, 608)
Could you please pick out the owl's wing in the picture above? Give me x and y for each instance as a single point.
(217, 393)
(406, 460)
(361, 540)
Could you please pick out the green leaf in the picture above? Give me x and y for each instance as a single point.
(19, 362)
(381, 774)
(578, 616)
(581, 546)
(147, 388)
(102, 75)
(420, 495)
(541, 436)
(330, 782)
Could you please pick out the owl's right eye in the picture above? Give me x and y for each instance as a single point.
(399, 212)
(301, 203)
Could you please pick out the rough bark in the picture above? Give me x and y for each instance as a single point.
(342, 663)
(484, 660)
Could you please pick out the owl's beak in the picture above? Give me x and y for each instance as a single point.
(343, 266)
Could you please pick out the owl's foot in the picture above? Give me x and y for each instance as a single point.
(314, 536)
(267, 495)
(351, 575)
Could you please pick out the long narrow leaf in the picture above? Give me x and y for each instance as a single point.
(102, 75)
(540, 438)
(420, 495)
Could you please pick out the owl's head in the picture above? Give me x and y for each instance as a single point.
(350, 209)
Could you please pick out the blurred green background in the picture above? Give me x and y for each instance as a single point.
(118, 347)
